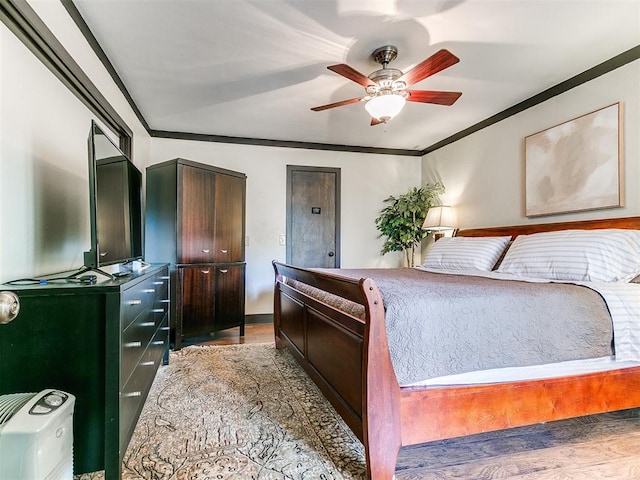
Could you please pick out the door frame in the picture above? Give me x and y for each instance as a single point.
(336, 171)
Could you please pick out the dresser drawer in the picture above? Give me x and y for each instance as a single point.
(132, 397)
(161, 301)
(143, 340)
(137, 299)
(141, 297)
(159, 310)
(159, 342)
(161, 285)
(135, 339)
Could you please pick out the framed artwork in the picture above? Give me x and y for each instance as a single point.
(576, 165)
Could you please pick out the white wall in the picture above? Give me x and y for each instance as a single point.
(44, 193)
(366, 181)
(64, 28)
(44, 219)
(484, 172)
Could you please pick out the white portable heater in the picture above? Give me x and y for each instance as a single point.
(36, 436)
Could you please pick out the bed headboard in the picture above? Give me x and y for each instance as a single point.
(630, 223)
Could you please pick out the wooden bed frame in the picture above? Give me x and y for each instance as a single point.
(348, 358)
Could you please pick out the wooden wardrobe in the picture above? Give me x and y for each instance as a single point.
(195, 221)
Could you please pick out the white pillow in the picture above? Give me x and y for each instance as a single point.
(605, 255)
(465, 253)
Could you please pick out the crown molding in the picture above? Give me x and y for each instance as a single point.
(25, 23)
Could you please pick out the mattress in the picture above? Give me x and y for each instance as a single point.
(534, 372)
(440, 324)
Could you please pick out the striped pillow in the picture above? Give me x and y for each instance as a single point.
(465, 253)
(575, 255)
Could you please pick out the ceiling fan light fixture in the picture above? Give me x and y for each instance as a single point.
(385, 106)
(386, 88)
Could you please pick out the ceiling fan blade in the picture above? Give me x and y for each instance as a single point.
(429, 96)
(434, 64)
(351, 74)
(376, 121)
(336, 104)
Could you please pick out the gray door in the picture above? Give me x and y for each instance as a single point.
(313, 216)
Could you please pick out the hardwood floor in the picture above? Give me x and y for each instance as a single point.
(589, 448)
(253, 333)
(596, 447)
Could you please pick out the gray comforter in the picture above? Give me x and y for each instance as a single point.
(440, 324)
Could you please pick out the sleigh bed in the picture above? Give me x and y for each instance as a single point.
(343, 346)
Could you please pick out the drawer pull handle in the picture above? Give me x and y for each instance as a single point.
(148, 290)
(147, 364)
(166, 300)
(205, 250)
(158, 283)
(224, 251)
(147, 324)
(165, 329)
(132, 394)
(158, 342)
(134, 302)
(224, 270)
(133, 344)
(164, 277)
(158, 310)
(205, 271)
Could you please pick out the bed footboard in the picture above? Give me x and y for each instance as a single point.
(347, 357)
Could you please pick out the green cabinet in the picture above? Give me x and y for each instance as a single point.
(103, 343)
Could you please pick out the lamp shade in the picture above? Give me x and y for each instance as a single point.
(385, 106)
(440, 218)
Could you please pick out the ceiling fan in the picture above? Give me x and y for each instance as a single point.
(387, 88)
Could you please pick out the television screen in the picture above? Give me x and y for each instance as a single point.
(115, 197)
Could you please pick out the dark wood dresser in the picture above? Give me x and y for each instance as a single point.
(195, 221)
(103, 343)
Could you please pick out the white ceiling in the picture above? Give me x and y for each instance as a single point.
(254, 68)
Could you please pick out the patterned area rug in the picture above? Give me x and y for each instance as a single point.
(239, 412)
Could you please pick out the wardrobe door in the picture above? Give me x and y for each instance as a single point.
(229, 221)
(229, 303)
(196, 299)
(196, 200)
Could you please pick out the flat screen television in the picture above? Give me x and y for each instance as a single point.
(115, 198)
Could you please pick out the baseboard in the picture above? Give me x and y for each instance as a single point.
(258, 318)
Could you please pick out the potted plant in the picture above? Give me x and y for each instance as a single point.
(401, 220)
